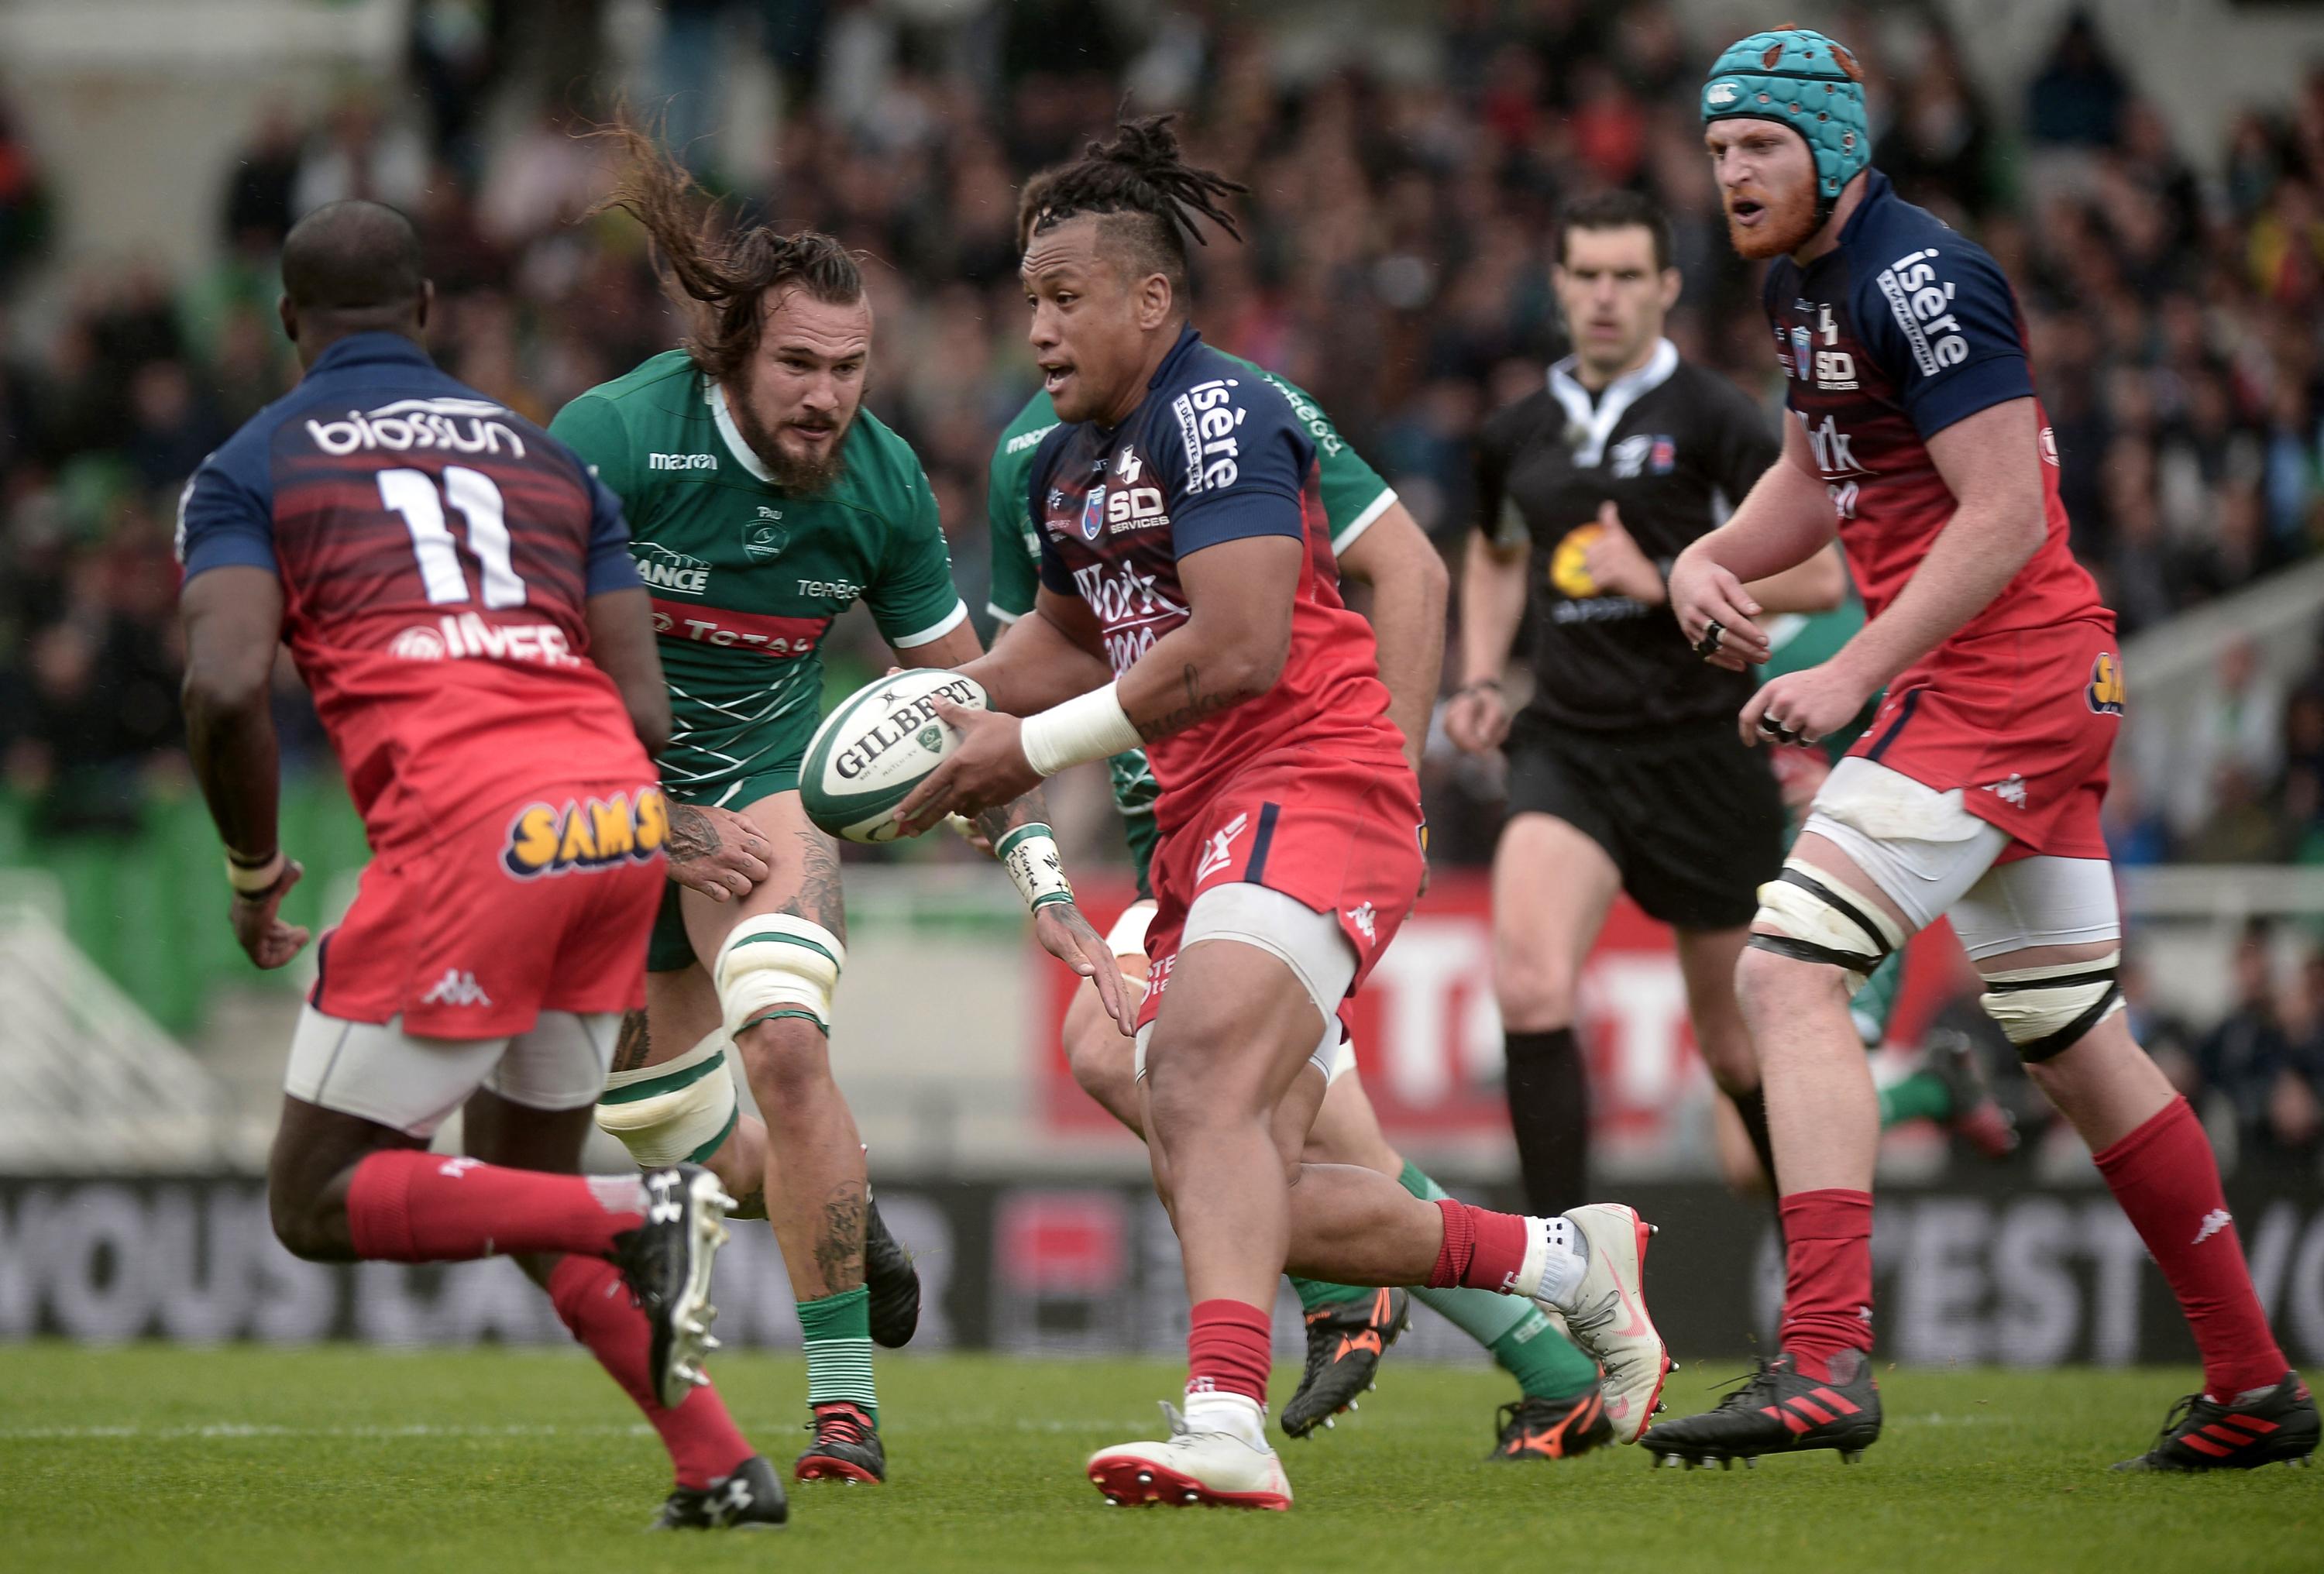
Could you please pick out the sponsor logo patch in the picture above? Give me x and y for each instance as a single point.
(456, 988)
(681, 460)
(674, 572)
(470, 637)
(2104, 692)
(456, 426)
(1923, 308)
(587, 833)
(764, 533)
(1208, 419)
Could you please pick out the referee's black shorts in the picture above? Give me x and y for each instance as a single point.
(1692, 817)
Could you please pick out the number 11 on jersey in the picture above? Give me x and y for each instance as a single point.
(412, 494)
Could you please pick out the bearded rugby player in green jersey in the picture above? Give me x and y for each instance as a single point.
(1380, 546)
(762, 503)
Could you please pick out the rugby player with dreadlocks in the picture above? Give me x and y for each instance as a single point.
(763, 502)
(1189, 602)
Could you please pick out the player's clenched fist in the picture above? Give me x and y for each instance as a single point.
(265, 938)
(1715, 612)
(1476, 718)
(715, 852)
(1801, 707)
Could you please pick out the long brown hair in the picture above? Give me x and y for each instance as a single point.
(713, 273)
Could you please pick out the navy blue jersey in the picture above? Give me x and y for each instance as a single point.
(1903, 329)
(436, 552)
(1211, 455)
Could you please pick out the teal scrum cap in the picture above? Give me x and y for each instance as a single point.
(1798, 77)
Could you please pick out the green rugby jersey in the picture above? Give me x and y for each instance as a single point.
(746, 577)
(1353, 497)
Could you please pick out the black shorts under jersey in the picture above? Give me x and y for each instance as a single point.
(1691, 818)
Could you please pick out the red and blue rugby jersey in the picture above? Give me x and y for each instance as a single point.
(1901, 330)
(1211, 455)
(436, 552)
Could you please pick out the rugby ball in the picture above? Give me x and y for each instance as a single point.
(876, 746)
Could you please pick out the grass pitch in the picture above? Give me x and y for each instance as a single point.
(347, 1460)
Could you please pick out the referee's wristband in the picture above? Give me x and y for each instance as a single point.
(1086, 727)
(1030, 853)
(254, 879)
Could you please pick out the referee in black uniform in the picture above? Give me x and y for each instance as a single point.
(1624, 766)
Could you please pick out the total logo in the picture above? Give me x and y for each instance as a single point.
(587, 833)
(467, 637)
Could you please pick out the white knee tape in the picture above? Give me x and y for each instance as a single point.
(677, 1112)
(1343, 1060)
(1819, 917)
(775, 966)
(2044, 1010)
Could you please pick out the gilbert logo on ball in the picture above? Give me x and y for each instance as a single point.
(876, 746)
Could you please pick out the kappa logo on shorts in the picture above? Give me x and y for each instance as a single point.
(1221, 848)
(1365, 920)
(2010, 789)
(2105, 693)
(587, 833)
(456, 988)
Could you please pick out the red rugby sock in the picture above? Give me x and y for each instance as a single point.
(2167, 1181)
(1827, 1277)
(405, 1206)
(594, 1302)
(1230, 1346)
(1483, 1249)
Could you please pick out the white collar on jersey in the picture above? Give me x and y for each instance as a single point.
(1594, 422)
(715, 398)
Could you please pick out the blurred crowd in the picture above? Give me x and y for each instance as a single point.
(1396, 240)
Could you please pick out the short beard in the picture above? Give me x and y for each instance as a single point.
(791, 473)
(1785, 229)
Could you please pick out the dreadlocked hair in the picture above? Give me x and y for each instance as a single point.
(715, 274)
(1140, 176)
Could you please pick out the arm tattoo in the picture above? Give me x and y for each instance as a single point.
(819, 899)
(1198, 705)
(629, 1047)
(839, 1238)
(692, 835)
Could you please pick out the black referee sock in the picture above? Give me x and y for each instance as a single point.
(1753, 1106)
(1549, 1111)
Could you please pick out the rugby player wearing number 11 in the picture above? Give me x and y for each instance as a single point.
(1203, 619)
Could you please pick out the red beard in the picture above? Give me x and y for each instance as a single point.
(1783, 228)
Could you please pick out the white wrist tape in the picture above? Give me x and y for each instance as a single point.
(1090, 726)
(254, 881)
(1029, 854)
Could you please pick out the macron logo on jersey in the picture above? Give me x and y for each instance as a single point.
(1919, 304)
(1024, 440)
(681, 460)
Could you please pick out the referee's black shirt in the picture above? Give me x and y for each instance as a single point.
(1674, 446)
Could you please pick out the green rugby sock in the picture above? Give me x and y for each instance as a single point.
(1315, 1295)
(838, 1332)
(1510, 1327)
(1923, 1096)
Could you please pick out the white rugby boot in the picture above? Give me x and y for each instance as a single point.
(1607, 1314)
(1207, 1469)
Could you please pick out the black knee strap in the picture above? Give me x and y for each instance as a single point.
(1864, 922)
(2073, 1032)
(1809, 950)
